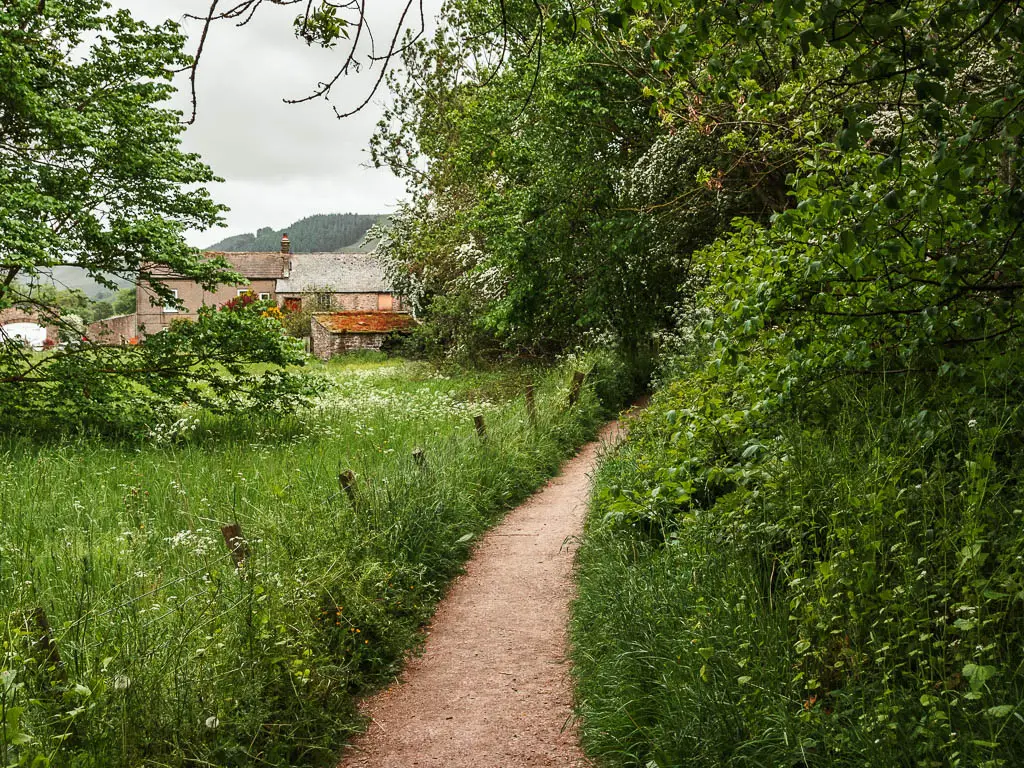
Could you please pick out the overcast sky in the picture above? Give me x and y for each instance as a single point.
(280, 161)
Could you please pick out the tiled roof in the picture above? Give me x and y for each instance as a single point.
(334, 273)
(256, 265)
(364, 322)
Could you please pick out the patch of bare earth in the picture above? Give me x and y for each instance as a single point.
(492, 689)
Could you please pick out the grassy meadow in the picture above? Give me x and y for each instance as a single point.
(159, 651)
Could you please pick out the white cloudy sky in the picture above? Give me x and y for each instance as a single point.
(280, 162)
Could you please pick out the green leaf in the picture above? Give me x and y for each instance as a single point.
(977, 675)
(1002, 710)
(782, 8)
(751, 449)
(892, 199)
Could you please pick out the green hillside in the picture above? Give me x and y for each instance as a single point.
(319, 233)
(67, 277)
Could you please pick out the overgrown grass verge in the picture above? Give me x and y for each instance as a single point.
(156, 650)
(839, 583)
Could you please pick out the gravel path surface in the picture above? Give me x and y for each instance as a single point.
(492, 689)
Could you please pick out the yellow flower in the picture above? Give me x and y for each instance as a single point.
(273, 313)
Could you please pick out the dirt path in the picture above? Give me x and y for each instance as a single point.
(491, 689)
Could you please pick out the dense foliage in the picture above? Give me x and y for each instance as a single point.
(321, 233)
(810, 552)
(835, 582)
(218, 362)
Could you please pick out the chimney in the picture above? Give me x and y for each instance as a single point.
(286, 244)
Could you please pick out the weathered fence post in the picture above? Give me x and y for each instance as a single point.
(531, 402)
(577, 387)
(44, 647)
(481, 428)
(347, 483)
(237, 545)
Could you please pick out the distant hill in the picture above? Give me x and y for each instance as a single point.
(313, 234)
(70, 277)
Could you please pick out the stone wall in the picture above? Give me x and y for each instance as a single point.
(122, 329)
(13, 315)
(325, 343)
(364, 302)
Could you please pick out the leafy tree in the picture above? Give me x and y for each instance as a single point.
(72, 301)
(91, 174)
(124, 301)
(101, 310)
(525, 233)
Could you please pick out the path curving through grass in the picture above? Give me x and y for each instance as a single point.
(492, 688)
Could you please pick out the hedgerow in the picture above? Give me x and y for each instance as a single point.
(835, 580)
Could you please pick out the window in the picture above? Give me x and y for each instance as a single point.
(171, 307)
(323, 301)
(264, 296)
(242, 292)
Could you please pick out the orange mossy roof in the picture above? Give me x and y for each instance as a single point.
(365, 322)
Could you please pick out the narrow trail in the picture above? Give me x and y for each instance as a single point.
(492, 689)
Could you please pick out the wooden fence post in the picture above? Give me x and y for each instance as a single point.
(419, 458)
(237, 545)
(347, 483)
(531, 402)
(44, 647)
(577, 387)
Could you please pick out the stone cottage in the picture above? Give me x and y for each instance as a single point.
(340, 281)
(335, 333)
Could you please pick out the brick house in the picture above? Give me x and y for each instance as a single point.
(262, 270)
(338, 281)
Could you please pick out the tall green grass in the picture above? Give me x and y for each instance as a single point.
(839, 583)
(172, 656)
